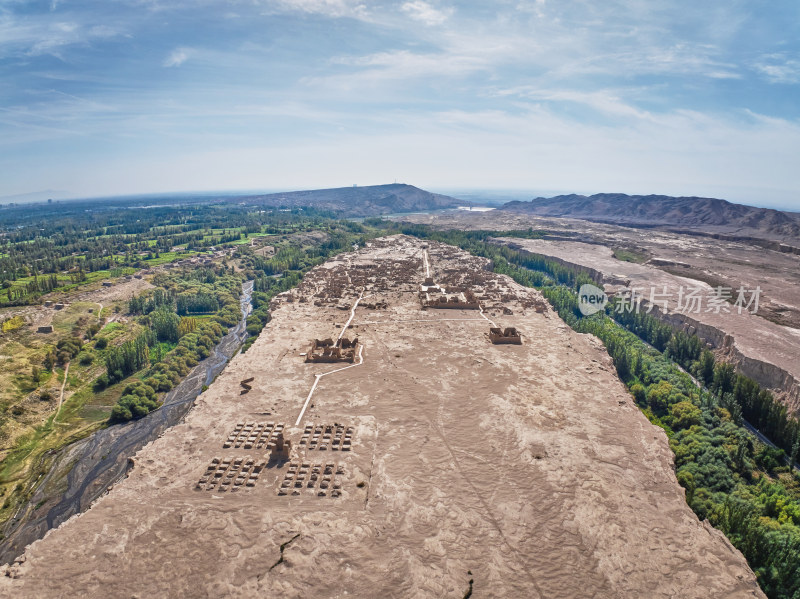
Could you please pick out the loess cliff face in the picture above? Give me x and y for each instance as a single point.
(520, 470)
(784, 385)
(760, 349)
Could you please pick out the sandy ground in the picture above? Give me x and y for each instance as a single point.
(730, 262)
(526, 469)
(750, 338)
(761, 346)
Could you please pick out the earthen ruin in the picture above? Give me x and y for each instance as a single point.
(254, 435)
(456, 300)
(538, 510)
(230, 474)
(246, 386)
(281, 450)
(327, 350)
(509, 335)
(313, 479)
(323, 437)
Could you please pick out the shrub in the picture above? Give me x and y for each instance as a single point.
(658, 396)
(101, 382)
(685, 414)
(138, 399)
(638, 392)
(13, 323)
(67, 349)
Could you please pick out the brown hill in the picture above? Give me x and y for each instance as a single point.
(371, 200)
(707, 215)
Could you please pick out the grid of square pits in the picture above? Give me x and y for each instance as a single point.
(253, 435)
(313, 478)
(224, 474)
(327, 436)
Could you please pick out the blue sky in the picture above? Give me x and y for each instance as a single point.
(134, 96)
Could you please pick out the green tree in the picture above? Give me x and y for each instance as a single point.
(639, 393)
(658, 396)
(686, 480)
(685, 414)
(705, 371)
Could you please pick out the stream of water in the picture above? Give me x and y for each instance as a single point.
(84, 470)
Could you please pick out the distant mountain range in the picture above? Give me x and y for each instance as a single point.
(706, 215)
(359, 201)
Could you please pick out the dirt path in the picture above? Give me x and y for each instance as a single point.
(352, 314)
(61, 395)
(317, 377)
(89, 466)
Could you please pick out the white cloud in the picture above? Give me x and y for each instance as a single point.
(426, 13)
(105, 31)
(536, 7)
(723, 75)
(605, 101)
(65, 27)
(54, 39)
(329, 8)
(45, 36)
(568, 94)
(402, 64)
(177, 57)
(778, 68)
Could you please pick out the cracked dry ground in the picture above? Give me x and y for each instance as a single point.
(526, 468)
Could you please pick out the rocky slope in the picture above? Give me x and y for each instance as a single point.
(708, 215)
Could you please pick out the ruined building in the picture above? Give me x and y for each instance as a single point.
(456, 300)
(326, 350)
(508, 335)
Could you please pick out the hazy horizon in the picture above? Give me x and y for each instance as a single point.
(492, 197)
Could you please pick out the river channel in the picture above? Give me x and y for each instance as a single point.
(83, 471)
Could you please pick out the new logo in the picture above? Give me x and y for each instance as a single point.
(591, 299)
